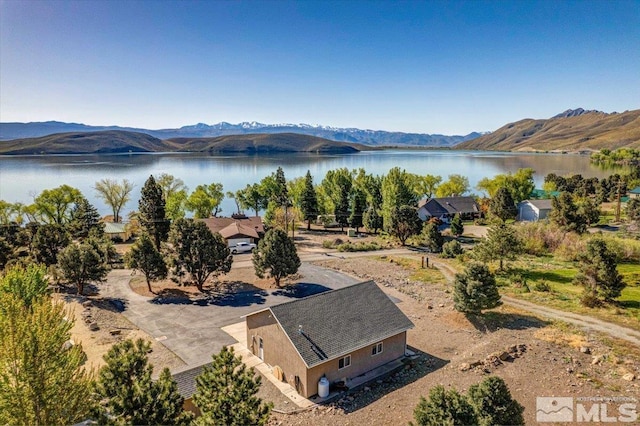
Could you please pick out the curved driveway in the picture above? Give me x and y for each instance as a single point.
(191, 329)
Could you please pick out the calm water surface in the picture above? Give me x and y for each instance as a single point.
(23, 177)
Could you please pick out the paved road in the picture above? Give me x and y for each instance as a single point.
(192, 329)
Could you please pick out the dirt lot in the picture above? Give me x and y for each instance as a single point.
(547, 359)
(113, 328)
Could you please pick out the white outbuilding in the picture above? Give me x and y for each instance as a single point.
(534, 210)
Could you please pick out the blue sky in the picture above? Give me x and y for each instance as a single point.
(448, 67)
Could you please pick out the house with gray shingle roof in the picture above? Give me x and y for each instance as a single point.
(339, 334)
(447, 207)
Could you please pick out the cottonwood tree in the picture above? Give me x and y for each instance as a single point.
(309, 200)
(519, 184)
(598, 273)
(81, 264)
(128, 395)
(444, 407)
(426, 185)
(151, 214)
(253, 198)
(501, 243)
(502, 205)
(144, 257)
(42, 381)
(198, 252)
(405, 223)
(338, 184)
(431, 237)
(275, 256)
(397, 191)
(205, 200)
(494, 404)
(475, 289)
(457, 228)
(54, 205)
(174, 192)
(47, 242)
(226, 393)
(115, 194)
(455, 186)
(85, 220)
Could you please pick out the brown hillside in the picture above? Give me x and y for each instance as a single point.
(106, 142)
(590, 131)
(264, 143)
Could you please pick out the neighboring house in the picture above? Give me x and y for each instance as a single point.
(117, 231)
(447, 207)
(339, 334)
(533, 210)
(237, 228)
(635, 193)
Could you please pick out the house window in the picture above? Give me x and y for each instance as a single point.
(376, 349)
(344, 362)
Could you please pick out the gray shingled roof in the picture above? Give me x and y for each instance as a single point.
(186, 381)
(337, 322)
(449, 205)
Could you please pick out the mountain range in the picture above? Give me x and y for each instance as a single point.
(573, 130)
(9, 131)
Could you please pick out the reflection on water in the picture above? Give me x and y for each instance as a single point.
(23, 177)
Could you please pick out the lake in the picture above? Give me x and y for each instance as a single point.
(22, 177)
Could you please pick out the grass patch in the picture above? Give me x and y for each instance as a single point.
(554, 279)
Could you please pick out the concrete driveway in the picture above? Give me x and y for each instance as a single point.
(191, 329)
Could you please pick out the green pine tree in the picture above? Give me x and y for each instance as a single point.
(226, 393)
(372, 219)
(444, 408)
(493, 403)
(81, 264)
(198, 252)
(451, 249)
(85, 220)
(276, 256)
(404, 223)
(128, 394)
(457, 228)
(144, 257)
(432, 238)
(309, 201)
(358, 204)
(47, 242)
(565, 214)
(502, 205)
(598, 273)
(501, 243)
(151, 214)
(475, 289)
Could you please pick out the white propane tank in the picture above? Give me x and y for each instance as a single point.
(323, 387)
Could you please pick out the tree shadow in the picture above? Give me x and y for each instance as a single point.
(244, 298)
(550, 276)
(300, 290)
(493, 321)
(412, 369)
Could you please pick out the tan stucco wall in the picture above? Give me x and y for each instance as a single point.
(278, 350)
(361, 362)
